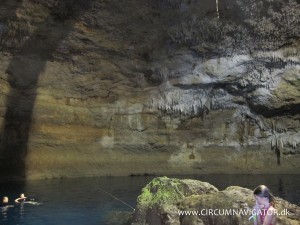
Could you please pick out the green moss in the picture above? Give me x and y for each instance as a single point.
(288, 90)
(162, 190)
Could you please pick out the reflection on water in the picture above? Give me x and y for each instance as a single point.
(281, 188)
(85, 201)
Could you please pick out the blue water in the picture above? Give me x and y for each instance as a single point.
(84, 201)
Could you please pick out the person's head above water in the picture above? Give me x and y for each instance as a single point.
(5, 199)
(263, 196)
(22, 195)
(22, 198)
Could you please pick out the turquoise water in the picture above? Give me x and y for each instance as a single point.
(84, 201)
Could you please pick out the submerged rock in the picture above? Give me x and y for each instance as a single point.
(169, 201)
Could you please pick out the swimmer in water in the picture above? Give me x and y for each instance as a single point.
(4, 202)
(4, 205)
(24, 199)
(21, 199)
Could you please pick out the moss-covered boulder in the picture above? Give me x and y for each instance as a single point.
(166, 201)
(158, 201)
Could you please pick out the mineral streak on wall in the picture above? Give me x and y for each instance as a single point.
(91, 88)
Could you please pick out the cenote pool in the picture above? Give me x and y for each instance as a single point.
(84, 201)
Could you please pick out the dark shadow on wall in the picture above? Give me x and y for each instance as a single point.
(23, 73)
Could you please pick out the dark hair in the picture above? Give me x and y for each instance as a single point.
(264, 191)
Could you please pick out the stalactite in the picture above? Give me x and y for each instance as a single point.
(273, 144)
(277, 150)
(294, 144)
(281, 143)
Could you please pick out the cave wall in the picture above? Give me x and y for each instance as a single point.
(149, 87)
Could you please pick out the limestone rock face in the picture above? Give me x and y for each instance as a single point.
(163, 198)
(117, 87)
